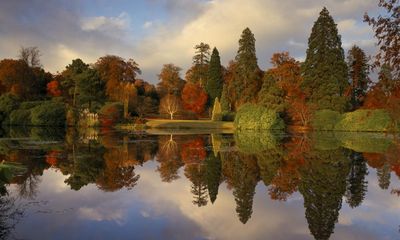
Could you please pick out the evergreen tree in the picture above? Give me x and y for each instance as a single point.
(358, 73)
(356, 183)
(325, 70)
(213, 165)
(323, 186)
(215, 77)
(247, 80)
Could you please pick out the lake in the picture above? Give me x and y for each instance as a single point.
(102, 184)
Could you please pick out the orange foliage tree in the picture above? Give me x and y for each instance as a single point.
(53, 88)
(193, 151)
(194, 98)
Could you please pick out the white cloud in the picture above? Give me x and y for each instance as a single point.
(147, 24)
(102, 23)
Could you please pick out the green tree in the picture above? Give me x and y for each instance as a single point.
(271, 95)
(198, 72)
(215, 77)
(70, 78)
(358, 72)
(246, 80)
(325, 70)
(323, 186)
(213, 164)
(90, 87)
(356, 183)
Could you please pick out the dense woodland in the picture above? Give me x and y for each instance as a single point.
(110, 90)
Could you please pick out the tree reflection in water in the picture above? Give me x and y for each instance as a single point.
(322, 167)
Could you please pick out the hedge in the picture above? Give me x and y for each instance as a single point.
(20, 117)
(255, 117)
(365, 120)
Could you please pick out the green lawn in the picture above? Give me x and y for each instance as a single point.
(188, 124)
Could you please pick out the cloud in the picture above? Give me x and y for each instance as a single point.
(111, 25)
(61, 30)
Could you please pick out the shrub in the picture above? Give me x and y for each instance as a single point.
(255, 117)
(30, 104)
(377, 120)
(20, 117)
(49, 113)
(8, 103)
(111, 113)
(325, 120)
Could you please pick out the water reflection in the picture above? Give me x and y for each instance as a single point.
(324, 168)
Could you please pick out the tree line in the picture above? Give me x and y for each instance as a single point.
(327, 79)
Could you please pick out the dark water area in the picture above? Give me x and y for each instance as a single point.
(100, 184)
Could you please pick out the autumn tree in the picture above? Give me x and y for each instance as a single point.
(194, 98)
(31, 56)
(247, 77)
(171, 105)
(325, 70)
(214, 77)
(387, 31)
(170, 81)
(358, 72)
(17, 78)
(53, 88)
(198, 72)
(116, 72)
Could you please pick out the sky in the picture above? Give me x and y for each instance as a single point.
(157, 32)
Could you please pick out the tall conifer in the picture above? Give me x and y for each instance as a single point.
(215, 78)
(325, 70)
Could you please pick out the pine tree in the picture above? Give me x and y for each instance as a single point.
(197, 74)
(356, 183)
(247, 81)
(325, 70)
(358, 73)
(215, 77)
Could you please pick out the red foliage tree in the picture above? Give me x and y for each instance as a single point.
(53, 88)
(194, 98)
(193, 151)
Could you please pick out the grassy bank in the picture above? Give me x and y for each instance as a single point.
(188, 124)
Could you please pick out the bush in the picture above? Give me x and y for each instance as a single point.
(255, 117)
(365, 120)
(30, 104)
(49, 113)
(111, 114)
(8, 103)
(325, 120)
(20, 117)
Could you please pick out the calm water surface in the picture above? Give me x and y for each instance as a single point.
(112, 185)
